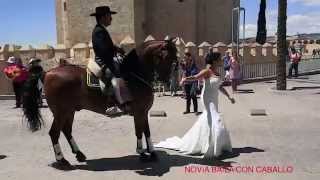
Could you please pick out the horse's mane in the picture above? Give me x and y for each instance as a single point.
(145, 46)
(147, 43)
(136, 62)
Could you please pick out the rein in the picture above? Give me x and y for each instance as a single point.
(141, 79)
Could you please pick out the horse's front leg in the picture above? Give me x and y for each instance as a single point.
(139, 130)
(142, 126)
(147, 135)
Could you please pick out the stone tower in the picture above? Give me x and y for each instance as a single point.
(193, 20)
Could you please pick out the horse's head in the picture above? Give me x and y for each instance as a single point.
(163, 54)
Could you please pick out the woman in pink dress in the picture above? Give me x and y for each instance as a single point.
(235, 74)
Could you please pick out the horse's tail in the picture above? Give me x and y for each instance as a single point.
(31, 97)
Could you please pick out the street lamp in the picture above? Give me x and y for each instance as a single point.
(236, 12)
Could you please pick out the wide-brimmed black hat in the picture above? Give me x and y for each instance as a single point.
(102, 10)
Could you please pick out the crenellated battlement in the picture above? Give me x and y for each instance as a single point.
(257, 61)
(80, 53)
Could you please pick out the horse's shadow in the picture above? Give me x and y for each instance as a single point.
(162, 166)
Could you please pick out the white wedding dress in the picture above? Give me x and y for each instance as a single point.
(208, 135)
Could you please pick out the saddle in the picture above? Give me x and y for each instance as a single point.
(94, 82)
(94, 72)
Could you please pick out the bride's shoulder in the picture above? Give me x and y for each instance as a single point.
(206, 73)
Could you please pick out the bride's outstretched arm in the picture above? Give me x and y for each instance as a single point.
(202, 74)
(225, 92)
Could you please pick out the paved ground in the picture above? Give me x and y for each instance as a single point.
(287, 138)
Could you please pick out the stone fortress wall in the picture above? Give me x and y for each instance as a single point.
(193, 20)
(80, 53)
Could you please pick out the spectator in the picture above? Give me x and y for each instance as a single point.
(235, 74)
(210, 55)
(174, 78)
(190, 87)
(314, 53)
(18, 74)
(226, 65)
(295, 58)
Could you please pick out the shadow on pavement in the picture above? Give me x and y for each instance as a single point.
(305, 81)
(2, 157)
(301, 77)
(270, 82)
(162, 165)
(304, 87)
(245, 91)
(245, 150)
(157, 168)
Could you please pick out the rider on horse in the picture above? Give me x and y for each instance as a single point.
(106, 56)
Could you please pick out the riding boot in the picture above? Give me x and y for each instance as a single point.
(123, 97)
(121, 90)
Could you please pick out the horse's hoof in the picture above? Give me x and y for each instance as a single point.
(81, 157)
(63, 164)
(153, 156)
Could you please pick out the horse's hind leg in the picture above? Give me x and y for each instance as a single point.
(67, 131)
(54, 133)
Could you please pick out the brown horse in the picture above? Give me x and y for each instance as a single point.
(66, 92)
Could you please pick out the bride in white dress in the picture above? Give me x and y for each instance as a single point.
(208, 135)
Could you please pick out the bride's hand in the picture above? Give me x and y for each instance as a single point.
(232, 100)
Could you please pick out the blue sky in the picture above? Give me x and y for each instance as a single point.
(33, 21)
(303, 16)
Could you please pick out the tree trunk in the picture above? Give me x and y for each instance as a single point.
(262, 30)
(282, 45)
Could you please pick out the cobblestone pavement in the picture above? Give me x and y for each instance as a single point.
(286, 139)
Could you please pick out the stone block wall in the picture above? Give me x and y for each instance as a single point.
(199, 20)
(75, 25)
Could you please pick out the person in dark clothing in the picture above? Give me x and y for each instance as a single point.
(174, 78)
(210, 55)
(37, 73)
(107, 57)
(190, 87)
